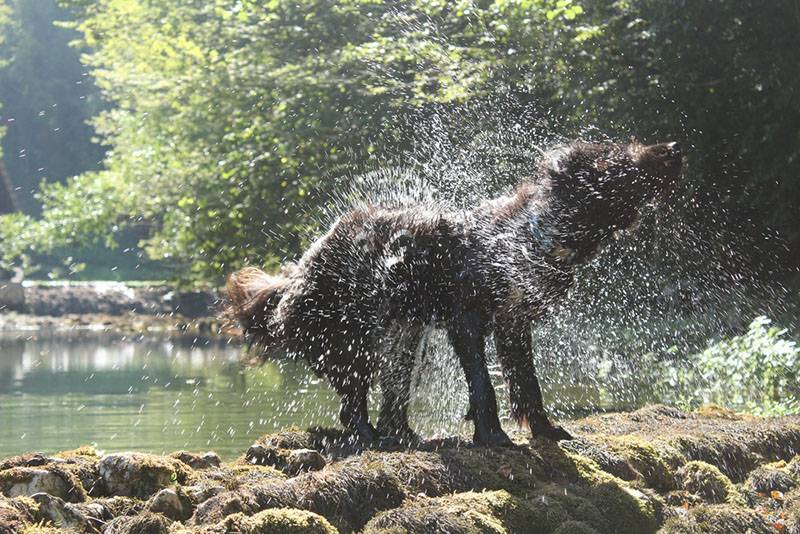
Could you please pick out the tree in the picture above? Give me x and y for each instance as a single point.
(226, 114)
(48, 98)
(228, 117)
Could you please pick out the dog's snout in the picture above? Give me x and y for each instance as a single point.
(674, 148)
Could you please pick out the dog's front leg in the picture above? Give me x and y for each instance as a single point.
(466, 336)
(514, 348)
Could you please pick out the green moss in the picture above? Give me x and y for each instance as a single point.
(725, 519)
(626, 510)
(471, 512)
(579, 508)
(644, 457)
(240, 473)
(730, 454)
(515, 515)
(516, 471)
(83, 451)
(39, 529)
(708, 482)
(587, 470)
(277, 521)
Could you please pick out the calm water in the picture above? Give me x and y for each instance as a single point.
(150, 395)
(162, 395)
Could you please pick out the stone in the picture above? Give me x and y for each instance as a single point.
(139, 475)
(27, 481)
(304, 460)
(65, 515)
(168, 503)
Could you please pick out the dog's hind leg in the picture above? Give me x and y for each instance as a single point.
(514, 349)
(401, 344)
(468, 341)
(353, 413)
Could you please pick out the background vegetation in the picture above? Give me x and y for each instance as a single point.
(217, 122)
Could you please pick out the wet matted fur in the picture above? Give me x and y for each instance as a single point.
(357, 303)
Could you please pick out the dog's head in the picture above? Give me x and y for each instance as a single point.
(600, 187)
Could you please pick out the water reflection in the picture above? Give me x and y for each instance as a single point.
(161, 395)
(153, 394)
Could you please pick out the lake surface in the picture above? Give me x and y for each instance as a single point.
(162, 395)
(152, 395)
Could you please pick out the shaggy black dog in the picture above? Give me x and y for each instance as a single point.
(359, 300)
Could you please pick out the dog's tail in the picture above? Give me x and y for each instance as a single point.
(253, 298)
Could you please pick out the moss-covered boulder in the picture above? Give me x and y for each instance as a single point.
(720, 519)
(205, 460)
(656, 468)
(707, 482)
(140, 475)
(144, 523)
(13, 516)
(273, 521)
(491, 511)
(767, 479)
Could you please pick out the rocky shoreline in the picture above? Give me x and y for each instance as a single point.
(656, 469)
(103, 308)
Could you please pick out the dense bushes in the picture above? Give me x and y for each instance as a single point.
(228, 116)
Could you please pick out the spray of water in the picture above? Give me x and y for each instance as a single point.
(654, 295)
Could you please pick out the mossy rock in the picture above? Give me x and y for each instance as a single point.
(579, 508)
(626, 510)
(719, 519)
(518, 471)
(247, 500)
(239, 474)
(608, 460)
(82, 452)
(141, 475)
(707, 482)
(766, 480)
(645, 459)
(793, 468)
(205, 460)
(52, 479)
(274, 521)
(13, 516)
(727, 453)
(349, 492)
(144, 523)
(470, 512)
(436, 473)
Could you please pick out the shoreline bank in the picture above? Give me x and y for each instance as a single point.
(653, 469)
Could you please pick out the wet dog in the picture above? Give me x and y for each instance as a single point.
(358, 302)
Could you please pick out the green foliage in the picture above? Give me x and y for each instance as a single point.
(227, 114)
(47, 98)
(757, 372)
(225, 117)
(5, 11)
